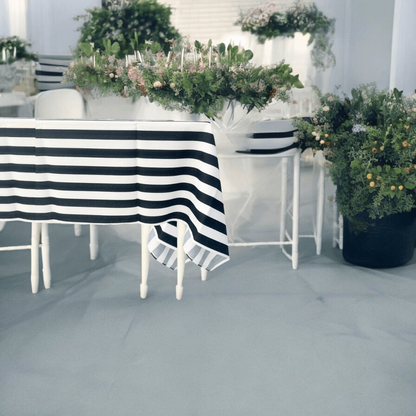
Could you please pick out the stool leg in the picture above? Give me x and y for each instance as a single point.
(335, 225)
(77, 229)
(93, 241)
(283, 203)
(46, 268)
(320, 208)
(204, 274)
(34, 254)
(296, 202)
(145, 260)
(181, 259)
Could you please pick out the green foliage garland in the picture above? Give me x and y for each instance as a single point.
(194, 78)
(268, 22)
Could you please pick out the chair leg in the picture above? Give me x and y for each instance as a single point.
(46, 268)
(320, 209)
(77, 229)
(204, 274)
(93, 241)
(283, 203)
(296, 203)
(34, 254)
(181, 259)
(145, 260)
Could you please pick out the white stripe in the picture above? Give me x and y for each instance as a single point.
(123, 144)
(190, 126)
(107, 179)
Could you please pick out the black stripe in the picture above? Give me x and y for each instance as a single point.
(128, 153)
(17, 132)
(15, 150)
(49, 73)
(113, 171)
(274, 135)
(125, 135)
(105, 187)
(117, 204)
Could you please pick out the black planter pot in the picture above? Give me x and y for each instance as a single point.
(388, 242)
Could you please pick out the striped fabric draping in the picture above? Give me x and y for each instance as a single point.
(113, 172)
(49, 71)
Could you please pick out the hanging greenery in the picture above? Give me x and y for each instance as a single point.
(269, 21)
(130, 23)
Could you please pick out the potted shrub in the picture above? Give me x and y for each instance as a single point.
(369, 141)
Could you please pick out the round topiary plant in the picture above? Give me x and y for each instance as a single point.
(130, 23)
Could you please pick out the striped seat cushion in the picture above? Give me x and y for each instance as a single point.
(49, 71)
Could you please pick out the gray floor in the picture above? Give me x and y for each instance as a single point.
(257, 338)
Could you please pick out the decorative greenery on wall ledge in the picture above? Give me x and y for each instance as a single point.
(14, 49)
(130, 23)
(270, 21)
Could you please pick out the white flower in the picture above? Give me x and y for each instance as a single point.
(357, 128)
(157, 84)
(111, 75)
(325, 108)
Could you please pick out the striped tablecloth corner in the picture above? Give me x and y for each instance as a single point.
(114, 172)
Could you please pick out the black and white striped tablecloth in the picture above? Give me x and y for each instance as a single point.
(113, 172)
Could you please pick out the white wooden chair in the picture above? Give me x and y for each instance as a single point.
(66, 103)
(39, 239)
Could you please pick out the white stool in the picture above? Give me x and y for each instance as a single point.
(285, 238)
(39, 239)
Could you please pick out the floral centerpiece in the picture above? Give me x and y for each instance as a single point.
(195, 78)
(13, 49)
(270, 21)
(129, 23)
(369, 141)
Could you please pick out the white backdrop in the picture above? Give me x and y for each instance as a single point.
(367, 46)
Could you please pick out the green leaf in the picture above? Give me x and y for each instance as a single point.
(86, 48)
(397, 170)
(379, 168)
(248, 54)
(409, 185)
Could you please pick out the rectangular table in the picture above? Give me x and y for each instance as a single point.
(116, 172)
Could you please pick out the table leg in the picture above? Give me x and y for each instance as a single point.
(46, 268)
(204, 274)
(296, 202)
(34, 254)
(93, 241)
(181, 259)
(77, 229)
(145, 260)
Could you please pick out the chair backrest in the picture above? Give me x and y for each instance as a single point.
(49, 71)
(62, 103)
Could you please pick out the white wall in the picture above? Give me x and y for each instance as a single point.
(51, 25)
(403, 63)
